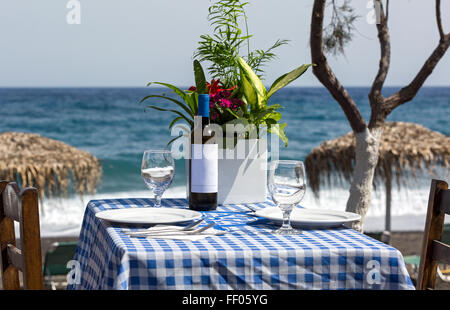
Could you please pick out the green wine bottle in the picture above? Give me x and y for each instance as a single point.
(203, 164)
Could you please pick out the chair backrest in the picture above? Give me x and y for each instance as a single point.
(433, 250)
(23, 207)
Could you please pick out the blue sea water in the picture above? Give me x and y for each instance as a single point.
(112, 124)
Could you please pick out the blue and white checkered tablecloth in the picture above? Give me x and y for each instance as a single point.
(248, 257)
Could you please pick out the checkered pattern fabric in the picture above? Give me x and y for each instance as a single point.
(248, 257)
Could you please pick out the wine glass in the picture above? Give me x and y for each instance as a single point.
(157, 170)
(287, 186)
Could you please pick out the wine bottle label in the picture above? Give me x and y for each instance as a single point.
(204, 168)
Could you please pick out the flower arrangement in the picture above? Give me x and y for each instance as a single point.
(236, 91)
(220, 100)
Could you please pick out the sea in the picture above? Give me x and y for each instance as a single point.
(114, 126)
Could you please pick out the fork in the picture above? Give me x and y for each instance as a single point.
(163, 229)
(170, 233)
(250, 208)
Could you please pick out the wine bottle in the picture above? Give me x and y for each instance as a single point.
(203, 164)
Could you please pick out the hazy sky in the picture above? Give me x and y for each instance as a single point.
(131, 42)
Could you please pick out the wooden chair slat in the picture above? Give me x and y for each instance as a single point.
(11, 278)
(441, 252)
(30, 234)
(445, 201)
(15, 257)
(11, 201)
(7, 231)
(2, 188)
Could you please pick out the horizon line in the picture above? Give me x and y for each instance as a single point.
(184, 86)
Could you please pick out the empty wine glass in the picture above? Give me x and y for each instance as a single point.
(287, 186)
(157, 170)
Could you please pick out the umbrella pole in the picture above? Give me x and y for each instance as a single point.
(386, 237)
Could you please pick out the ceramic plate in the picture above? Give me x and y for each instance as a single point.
(149, 215)
(310, 217)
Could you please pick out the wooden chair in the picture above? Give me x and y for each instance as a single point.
(433, 250)
(23, 207)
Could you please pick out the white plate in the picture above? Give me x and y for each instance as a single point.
(319, 218)
(148, 215)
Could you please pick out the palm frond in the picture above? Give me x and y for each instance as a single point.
(189, 121)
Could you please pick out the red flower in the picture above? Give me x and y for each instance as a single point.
(213, 87)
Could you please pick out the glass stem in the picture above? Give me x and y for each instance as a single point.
(157, 200)
(287, 218)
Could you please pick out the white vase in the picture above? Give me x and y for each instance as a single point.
(242, 173)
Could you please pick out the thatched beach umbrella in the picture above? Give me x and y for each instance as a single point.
(47, 164)
(404, 149)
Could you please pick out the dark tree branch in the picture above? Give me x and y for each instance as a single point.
(408, 92)
(385, 58)
(375, 97)
(324, 73)
(439, 20)
(387, 10)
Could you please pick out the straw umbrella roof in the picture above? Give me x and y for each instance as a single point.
(47, 164)
(404, 149)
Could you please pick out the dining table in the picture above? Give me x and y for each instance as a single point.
(248, 256)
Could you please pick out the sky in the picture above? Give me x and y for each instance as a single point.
(131, 42)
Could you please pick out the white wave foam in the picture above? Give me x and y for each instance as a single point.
(63, 217)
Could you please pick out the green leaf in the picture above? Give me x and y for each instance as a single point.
(175, 89)
(259, 58)
(173, 140)
(180, 104)
(254, 80)
(190, 122)
(274, 107)
(263, 114)
(189, 97)
(287, 78)
(232, 113)
(270, 121)
(234, 93)
(175, 120)
(192, 101)
(274, 115)
(279, 129)
(200, 80)
(249, 92)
